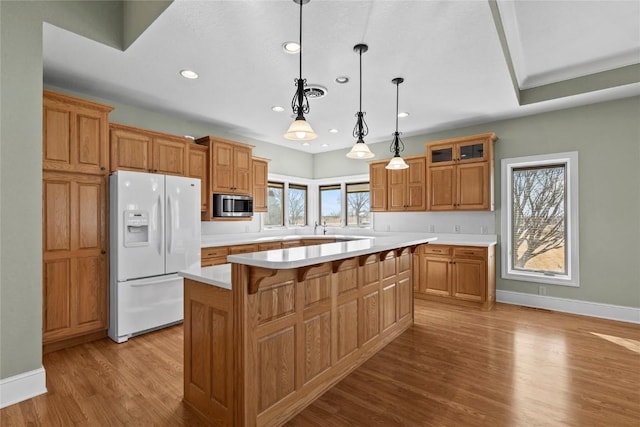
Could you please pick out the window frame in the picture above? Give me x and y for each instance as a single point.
(341, 188)
(296, 186)
(282, 186)
(570, 161)
(346, 203)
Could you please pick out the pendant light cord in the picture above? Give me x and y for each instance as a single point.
(300, 39)
(397, 103)
(360, 79)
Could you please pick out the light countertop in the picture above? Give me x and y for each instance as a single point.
(483, 240)
(317, 254)
(216, 275)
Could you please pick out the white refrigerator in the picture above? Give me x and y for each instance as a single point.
(154, 233)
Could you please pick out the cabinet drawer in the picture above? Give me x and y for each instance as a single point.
(437, 250)
(466, 252)
(220, 251)
(242, 249)
(269, 246)
(207, 262)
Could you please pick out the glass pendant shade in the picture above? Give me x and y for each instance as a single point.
(396, 163)
(360, 151)
(300, 130)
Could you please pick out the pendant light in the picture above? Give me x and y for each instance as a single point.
(360, 149)
(300, 129)
(397, 146)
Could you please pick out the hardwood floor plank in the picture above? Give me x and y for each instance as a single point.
(456, 366)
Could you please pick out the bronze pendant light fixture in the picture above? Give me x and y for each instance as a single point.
(360, 149)
(300, 129)
(397, 145)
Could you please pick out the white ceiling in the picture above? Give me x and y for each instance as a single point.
(449, 53)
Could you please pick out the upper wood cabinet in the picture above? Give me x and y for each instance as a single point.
(260, 184)
(231, 167)
(460, 173)
(74, 253)
(398, 190)
(198, 161)
(378, 186)
(75, 134)
(147, 151)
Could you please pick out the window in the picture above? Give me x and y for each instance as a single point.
(297, 204)
(358, 214)
(540, 219)
(331, 205)
(275, 205)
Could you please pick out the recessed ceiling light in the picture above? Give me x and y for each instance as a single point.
(333, 130)
(189, 74)
(277, 109)
(325, 145)
(342, 79)
(291, 47)
(403, 114)
(305, 144)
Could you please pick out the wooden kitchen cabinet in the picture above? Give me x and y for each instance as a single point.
(75, 134)
(198, 161)
(260, 184)
(214, 256)
(143, 150)
(378, 186)
(74, 243)
(462, 275)
(398, 190)
(460, 173)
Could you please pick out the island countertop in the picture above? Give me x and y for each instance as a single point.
(309, 255)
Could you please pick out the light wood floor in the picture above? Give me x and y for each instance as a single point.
(455, 367)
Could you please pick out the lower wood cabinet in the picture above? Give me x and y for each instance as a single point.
(456, 274)
(214, 256)
(75, 281)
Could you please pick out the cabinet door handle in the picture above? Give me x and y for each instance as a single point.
(102, 168)
(103, 252)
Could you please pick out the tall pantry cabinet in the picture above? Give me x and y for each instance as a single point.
(74, 219)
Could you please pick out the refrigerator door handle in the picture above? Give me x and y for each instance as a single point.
(159, 225)
(169, 225)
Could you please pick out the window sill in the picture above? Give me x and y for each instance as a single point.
(540, 278)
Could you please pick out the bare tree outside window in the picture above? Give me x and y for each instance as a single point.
(331, 205)
(539, 219)
(275, 206)
(297, 204)
(358, 204)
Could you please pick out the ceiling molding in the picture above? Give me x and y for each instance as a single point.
(590, 83)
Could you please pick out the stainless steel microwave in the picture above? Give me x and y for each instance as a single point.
(232, 205)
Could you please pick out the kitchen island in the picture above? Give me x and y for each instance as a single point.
(270, 332)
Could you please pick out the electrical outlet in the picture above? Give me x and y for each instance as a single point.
(542, 290)
(388, 227)
(432, 228)
(456, 228)
(484, 229)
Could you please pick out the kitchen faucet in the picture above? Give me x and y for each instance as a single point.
(324, 227)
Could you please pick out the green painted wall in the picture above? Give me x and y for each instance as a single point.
(607, 138)
(21, 163)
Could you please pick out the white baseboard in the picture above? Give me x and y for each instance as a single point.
(23, 386)
(585, 308)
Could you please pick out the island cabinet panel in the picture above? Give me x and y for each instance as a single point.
(208, 350)
(317, 345)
